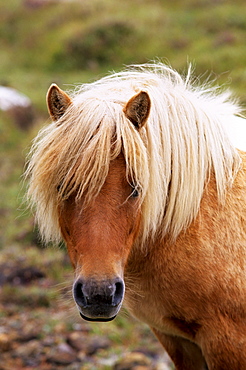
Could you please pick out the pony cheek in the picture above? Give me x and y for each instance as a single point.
(72, 252)
(133, 234)
(134, 229)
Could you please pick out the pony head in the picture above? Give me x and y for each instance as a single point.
(100, 226)
(125, 159)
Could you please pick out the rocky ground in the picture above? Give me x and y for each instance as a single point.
(40, 328)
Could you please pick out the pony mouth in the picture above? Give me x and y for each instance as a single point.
(97, 319)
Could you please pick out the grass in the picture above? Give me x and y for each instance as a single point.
(72, 44)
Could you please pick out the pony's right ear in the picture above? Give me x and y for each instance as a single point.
(137, 109)
(57, 101)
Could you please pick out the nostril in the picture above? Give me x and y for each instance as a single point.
(119, 293)
(91, 293)
(78, 294)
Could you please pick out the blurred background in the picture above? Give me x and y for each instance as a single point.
(71, 42)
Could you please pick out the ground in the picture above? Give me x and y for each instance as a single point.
(40, 327)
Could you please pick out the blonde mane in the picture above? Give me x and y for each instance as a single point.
(170, 158)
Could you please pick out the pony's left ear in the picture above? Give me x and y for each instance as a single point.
(137, 109)
(57, 101)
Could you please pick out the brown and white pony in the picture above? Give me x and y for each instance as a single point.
(139, 177)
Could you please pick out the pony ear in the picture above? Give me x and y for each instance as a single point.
(137, 109)
(57, 101)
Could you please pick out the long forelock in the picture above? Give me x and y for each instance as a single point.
(73, 156)
(170, 158)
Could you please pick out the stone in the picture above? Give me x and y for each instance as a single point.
(80, 342)
(63, 354)
(5, 342)
(28, 349)
(133, 361)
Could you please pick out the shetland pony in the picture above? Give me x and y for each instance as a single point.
(139, 177)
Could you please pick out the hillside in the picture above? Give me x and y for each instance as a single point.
(75, 41)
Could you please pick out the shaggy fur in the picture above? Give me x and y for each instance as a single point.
(170, 159)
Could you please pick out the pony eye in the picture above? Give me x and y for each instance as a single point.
(135, 192)
(58, 190)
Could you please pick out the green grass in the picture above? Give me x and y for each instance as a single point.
(73, 44)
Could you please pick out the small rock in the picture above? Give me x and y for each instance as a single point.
(97, 343)
(81, 343)
(163, 366)
(27, 334)
(28, 349)
(81, 355)
(133, 361)
(5, 342)
(49, 341)
(25, 275)
(84, 327)
(63, 354)
(76, 341)
(60, 327)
